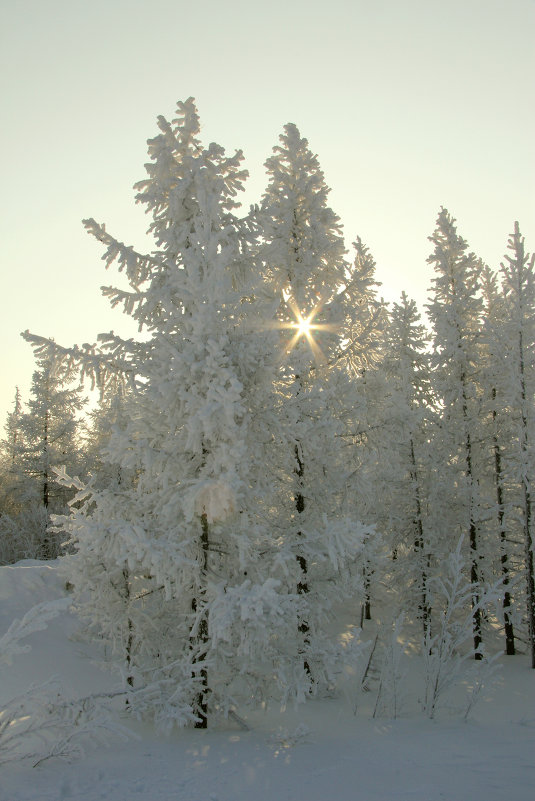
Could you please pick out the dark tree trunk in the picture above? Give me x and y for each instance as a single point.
(130, 638)
(518, 264)
(526, 491)
(504, 558)
(47, 542)
(302, 584)
(474, 567)
(419, 544)
(366, 606)
(200, 640)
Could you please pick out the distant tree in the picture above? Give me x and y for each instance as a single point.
(11, 442)
(518, 277)
(499, 434)
(365, 313)
(455, 313)
(368, 426)
(405, 461)
(9, 449)
(47, 434)
(109, 415)
(11, 548)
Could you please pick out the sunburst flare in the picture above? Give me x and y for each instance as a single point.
(304, 327)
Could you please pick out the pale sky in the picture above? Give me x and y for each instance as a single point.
(409, 105)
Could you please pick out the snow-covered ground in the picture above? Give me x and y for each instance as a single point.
(319, 752)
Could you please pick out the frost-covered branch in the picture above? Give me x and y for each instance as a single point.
(101, 369)
(36, 619)
(137, 266)
(42, 724)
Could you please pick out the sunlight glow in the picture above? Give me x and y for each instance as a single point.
(304, 327)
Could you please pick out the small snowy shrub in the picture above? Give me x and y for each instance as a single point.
(447, 651)
(391, 694)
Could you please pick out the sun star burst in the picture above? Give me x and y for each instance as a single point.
(304, 326)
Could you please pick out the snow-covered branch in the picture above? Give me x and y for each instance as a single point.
(101, 369)
(137, 266)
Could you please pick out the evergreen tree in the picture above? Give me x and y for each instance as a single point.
(498, 436)
(11, 442)
(11, 548)
(361, 353)
(304, 262)
(519, 287)
(455, 312)
(44, 436)
(166, 538)
(182, 568)
(405, 460)
(110, 414)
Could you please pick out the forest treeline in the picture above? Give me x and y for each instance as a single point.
(278, 441)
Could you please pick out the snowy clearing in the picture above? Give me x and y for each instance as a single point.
(317, 752)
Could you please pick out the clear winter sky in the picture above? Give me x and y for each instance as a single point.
(409, 104)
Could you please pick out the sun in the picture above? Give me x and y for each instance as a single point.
(303, 327)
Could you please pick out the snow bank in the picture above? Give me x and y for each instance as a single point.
(318, 752)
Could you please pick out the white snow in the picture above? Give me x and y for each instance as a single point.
(318, 752)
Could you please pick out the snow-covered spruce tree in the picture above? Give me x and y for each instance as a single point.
(11, 548)
(362, 352)
(445, 647)
(518, 275)
(455, 312)
(47, 434)
(499, 436)
(405, 465)
(11, 441)
(177, 568)
(365, 314)
(304, 264)
(9, 449)
(111, 413)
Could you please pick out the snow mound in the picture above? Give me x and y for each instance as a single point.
(50, 652)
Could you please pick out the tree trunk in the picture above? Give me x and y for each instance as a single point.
(200, 639)
(130, 638)
(523, 313)
(504, 558)
(423, 607)
(47, 543)
(302, 584)
(474, 568)
(526, 491)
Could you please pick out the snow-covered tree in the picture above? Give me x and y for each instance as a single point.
(361, 354)
(365, 313)
(11, 549)
(455, 312)
(110, 413)
(498, 434)
(9, 449)
(45, 435)
(182, 568)
(11, 441)
(177, 540)
(405, 464)
(303, 256)
(518, 275)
